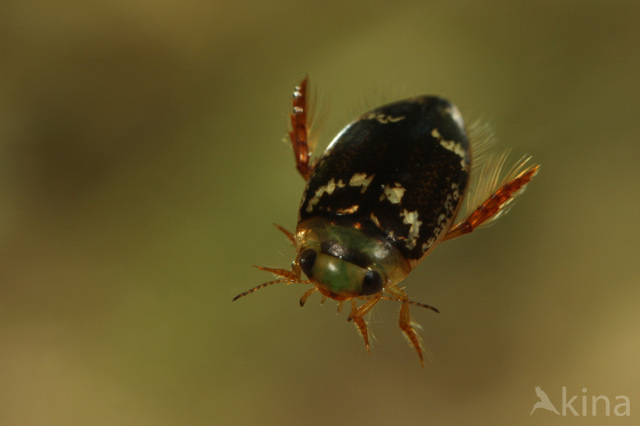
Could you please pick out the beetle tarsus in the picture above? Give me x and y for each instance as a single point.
(289, 235)
(360, 323)
(299, 133)
(495, 205)
(306, 295)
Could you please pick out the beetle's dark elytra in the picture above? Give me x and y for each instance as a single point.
(399, 170)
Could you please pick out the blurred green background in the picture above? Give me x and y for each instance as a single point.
(142, 167)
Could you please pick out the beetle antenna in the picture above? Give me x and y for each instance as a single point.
(288, 277)
(411, 302)
(263, 285)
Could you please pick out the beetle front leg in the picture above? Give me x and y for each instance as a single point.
(357, 314)
(409, 331)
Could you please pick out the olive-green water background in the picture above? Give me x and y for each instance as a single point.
(142, 165)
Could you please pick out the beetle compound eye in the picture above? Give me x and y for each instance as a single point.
(307, 259)
(371, 284)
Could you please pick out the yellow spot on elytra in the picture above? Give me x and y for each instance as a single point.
(393, 193)
(375, 220)
(328, 188)
(348, 210)
(452, 146)
(411, 218)
(362, 180)
(383, 119)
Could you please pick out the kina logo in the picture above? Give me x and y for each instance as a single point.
(583, 405)
(544, 402)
